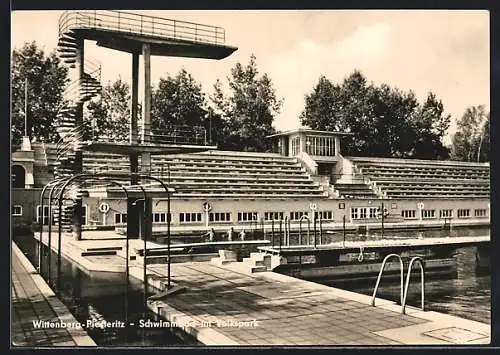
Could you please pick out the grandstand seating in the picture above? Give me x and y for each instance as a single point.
(219, 174)
(411, 178)
(235, 174)
(354, 190)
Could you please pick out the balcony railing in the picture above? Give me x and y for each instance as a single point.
(140, 24)
(174, 134)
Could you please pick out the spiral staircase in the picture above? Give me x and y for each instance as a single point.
(72, 134)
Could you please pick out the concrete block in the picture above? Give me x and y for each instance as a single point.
(254, 269)
(227, 255)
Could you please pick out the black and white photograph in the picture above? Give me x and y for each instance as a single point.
(263, 178)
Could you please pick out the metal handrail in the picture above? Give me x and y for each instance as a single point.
(380, 276)
(422, 283)
(140, 24)
(170, 134)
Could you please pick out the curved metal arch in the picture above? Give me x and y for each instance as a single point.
(380, 275)
(420, 262)
(42, 215)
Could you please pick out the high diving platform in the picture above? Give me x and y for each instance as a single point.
(127, 32)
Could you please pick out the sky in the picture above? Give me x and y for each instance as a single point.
(443, 51)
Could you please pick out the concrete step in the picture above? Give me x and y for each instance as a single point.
(253, 262)
(220, 262)
(254, 269)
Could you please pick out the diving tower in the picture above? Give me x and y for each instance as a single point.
(139, 35)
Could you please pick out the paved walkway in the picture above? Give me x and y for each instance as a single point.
(226, 306)
(34, 302)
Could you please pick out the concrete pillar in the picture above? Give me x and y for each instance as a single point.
(145, 163)
(132, 219)
(78, 164)
(134, 99)
(283, 145)
(483, 257)
(337, 145)
(145, 224)
(302, 142)
(146, 103)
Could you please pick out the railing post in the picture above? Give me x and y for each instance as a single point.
(422, 284)
(343, 231)
(314, 232)
(380, 276)
(300, 231)
(281, 231)
(320, 231)
(272, 232)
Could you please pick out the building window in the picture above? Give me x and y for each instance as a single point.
(463, 213)
(409, 214)
(324, 215)
(159, 217)
(45, 214)
(295, 144)
(190, 217)
(295, 216)
(428, 213)
(446, 214)
(320, 145)
(219, 217)
(273, 216)
(17, 210)
(480, 212)
(247, 216)
(120, 218)
(364, 212)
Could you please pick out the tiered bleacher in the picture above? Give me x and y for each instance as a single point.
(411, 178)
(219, 174)
(235, 174)
(354, 190)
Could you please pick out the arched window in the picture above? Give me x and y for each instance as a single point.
(18, 176)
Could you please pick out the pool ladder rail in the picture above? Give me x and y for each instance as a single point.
(404, 292)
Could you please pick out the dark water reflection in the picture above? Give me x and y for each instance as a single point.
(466, 293)
(103, 296)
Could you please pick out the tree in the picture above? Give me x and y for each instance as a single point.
(471, 141)
(384, 121)
(46, 78)
(249, 110)
(431, 125)
(109, 115)
(178, 101)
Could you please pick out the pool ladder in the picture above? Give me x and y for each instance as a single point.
(403, 293)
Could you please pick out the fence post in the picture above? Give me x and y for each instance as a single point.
(314, 223)
(272, 232)
(281, 231)
(343, 230)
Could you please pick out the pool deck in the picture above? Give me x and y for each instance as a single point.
(228, 305)
(32, 302)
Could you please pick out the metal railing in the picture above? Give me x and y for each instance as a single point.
(403, 292)
(174, 134)
(140, 24)
(422, 282)
(381, 272)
